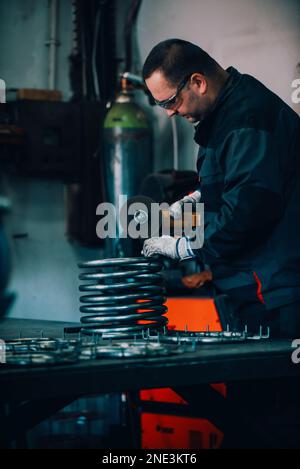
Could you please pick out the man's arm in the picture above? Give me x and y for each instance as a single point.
(252, 200)
(177, 207)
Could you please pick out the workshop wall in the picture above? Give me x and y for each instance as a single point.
(45, 272)
(24, 30)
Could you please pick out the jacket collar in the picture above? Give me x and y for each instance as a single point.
(202, 128)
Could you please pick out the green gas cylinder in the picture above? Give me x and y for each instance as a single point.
(127, 148)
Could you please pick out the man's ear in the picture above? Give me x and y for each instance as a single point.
(199, 80)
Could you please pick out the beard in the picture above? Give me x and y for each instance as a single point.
(198, 114)
(196, 110)
(193, 118)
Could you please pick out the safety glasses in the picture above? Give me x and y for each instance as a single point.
(168, 103)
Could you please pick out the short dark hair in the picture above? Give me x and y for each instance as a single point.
(176, 59)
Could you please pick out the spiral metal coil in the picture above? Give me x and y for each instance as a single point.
(126, 296)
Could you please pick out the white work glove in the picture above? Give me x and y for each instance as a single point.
(176, 208)
(175, 248)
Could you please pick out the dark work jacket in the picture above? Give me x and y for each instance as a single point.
(249, 171)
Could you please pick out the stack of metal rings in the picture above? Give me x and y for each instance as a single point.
(41, 351)
(125, 296)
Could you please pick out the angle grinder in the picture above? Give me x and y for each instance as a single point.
(148, 217)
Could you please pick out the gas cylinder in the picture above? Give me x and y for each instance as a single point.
(127, 150)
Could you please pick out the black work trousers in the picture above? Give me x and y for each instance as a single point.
(262, 413)
(283, 321)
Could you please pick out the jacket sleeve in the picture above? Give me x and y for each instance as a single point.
(252, 198)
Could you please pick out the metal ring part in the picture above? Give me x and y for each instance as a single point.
(209, 337)
(32, 351)
(41, 359)
(194, 338)
(26, 359)
(134, 349)
(127, 295)
(140, 217)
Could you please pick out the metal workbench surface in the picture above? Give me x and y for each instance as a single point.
(210, 363)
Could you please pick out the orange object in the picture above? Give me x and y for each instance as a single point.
(161, 395)
(38, 95)
(176, 432)
(168, 395)
(195, 313)
(172, 432)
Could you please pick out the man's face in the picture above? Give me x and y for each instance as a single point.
(192, 102)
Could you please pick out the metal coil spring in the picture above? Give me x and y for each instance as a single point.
(127, 296)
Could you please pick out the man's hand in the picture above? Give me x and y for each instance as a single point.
(177, 207)
(197, 280)
(167, 246)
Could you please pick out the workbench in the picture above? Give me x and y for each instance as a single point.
(47, 389)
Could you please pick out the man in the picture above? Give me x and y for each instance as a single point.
(249, 172)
